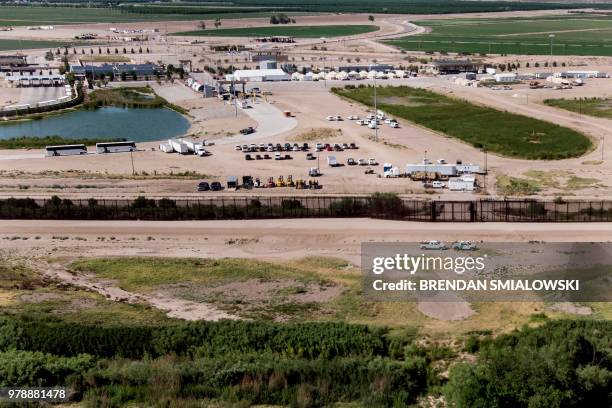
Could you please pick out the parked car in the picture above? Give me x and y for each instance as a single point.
(238, 147)
(216, 186)
(394, 125)
(203, 186)
(350, 161)
(362, 162)
(247, 131)
(465, 246)
(372, 161)
(353, 146)
(310, 156)
(433, 245)
(331, 118)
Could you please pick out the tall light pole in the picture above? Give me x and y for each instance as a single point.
(551, 37)
(375, 110)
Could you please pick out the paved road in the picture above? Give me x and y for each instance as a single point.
(270, 122)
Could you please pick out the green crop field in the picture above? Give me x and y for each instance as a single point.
(598, 107)
(572, 36)
(25, 16)
(288, 30)
(6, 45)
(505, 133)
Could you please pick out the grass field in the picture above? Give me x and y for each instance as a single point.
(500, 132)
(26, 16)
(6, 45)
(573, 36)
(289, 30)
(598, 107)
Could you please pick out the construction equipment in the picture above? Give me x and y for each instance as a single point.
(314, 172)
(424, 175)
(270, 183)
(535, 85)
(290, 182)
(281, 182)
(247, 182)
(300, 184)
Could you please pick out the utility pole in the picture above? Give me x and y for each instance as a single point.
(486, 170)
(551, 37)
(375, 110)
(234, 90)
(602, 148)
(132, 158)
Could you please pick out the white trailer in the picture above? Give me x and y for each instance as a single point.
(166, 148)
(442, 169)
(468, 168)
(191, 145)
(179, 146)
(464, 183)
(115, 147)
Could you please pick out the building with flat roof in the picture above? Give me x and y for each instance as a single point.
(138, 71)
(259, 75)
(441, 67)
(15, 60)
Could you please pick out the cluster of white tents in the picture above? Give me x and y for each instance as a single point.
(345, 76)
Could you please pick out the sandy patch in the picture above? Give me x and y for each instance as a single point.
(39, 297)
(571, 308)
(446, 310)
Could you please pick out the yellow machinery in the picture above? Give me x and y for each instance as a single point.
(281, 182)
(290, 182)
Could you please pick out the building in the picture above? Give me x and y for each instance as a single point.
(585, 74)
(258, 75)
(268, 55)
(268, 65)
(442, 67)
(127, 71)
(372, 67)
(13, 60)
(505, 77)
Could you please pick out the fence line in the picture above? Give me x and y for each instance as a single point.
(384, 206)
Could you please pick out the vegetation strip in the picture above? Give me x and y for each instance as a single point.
(287, 30)
(500, 132)
(598, 107)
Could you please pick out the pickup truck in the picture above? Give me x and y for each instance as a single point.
(434, 245)
(464, 246)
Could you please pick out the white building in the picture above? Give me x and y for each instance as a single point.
(259, 75)
(505, 77)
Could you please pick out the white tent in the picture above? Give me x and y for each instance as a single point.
(342, 76)
(400, 73)
(296, 76)
(331, 75)
(391, 75)
(309, 76)
(372, 74)
(363, 74)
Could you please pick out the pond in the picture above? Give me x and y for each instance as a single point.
(139, 125)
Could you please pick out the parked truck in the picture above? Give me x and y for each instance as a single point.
(179, 146)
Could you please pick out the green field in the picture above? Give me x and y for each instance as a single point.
(598, 107)
(7, 45)
(288, 30)
(573, 36)
(500, 132)
(26, 16)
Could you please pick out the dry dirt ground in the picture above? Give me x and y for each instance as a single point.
(272, 240)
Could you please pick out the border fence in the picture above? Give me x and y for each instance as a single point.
(384, 206)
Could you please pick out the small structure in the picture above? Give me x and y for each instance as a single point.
(65, 150)
(441, 169)
(115, 147)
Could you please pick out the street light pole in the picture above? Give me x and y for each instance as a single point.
(375, 111)
(551, 37)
